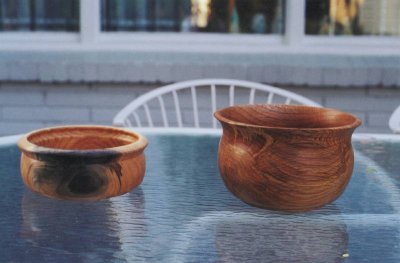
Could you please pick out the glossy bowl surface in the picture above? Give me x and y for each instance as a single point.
(82, 162)
(286, 157)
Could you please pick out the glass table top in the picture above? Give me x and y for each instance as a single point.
(182, 212)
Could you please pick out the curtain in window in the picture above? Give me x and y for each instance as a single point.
(39, 15)
(144, 15)
(15, 15)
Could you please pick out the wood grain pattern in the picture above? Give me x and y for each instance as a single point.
(286, 157)
(82, 162)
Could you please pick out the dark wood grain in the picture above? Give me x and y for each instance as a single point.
(286, 157)
(82, 162)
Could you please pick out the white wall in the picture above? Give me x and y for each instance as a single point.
(28, 106)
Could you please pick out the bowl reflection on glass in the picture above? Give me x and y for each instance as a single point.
(101, 231)
(230, 236)
(282, 239)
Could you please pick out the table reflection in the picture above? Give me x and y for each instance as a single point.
(94, 231)
(277, 239)
(230, 236)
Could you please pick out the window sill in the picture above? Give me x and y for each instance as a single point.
(170, 60)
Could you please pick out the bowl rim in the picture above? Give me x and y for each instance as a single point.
(218, 115)
(26, 146)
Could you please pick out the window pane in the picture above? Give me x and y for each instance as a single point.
(223, 16)
(353, 17)
(39, 15)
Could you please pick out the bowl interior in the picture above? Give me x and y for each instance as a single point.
(81, 138)
(286, 116)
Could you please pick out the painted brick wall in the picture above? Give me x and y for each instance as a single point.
(28, 106)
(347, 66)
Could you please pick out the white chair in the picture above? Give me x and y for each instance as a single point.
(190, 104)
(394, 121)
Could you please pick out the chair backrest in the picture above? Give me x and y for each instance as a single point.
(190, 104)
(394, 121)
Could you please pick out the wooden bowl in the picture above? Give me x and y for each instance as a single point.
(286, 157)
(82, 162)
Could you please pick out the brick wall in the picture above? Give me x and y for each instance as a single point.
(373, 105)
(28, 106)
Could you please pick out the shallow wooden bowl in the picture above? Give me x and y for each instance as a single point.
(286, 157)
(82, 162)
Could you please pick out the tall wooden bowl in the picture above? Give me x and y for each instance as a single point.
(82, 162)
(286, 157)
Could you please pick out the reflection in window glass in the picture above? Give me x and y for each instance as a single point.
(39, 15)
(224, 16)
(353, 17)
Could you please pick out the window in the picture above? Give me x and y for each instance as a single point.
(353, 17)
(214, 16)
(39, 15)
(199, 24)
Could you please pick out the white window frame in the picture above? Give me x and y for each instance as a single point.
(91, 37)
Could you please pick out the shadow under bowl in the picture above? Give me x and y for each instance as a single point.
(286, 157)
(82, 162)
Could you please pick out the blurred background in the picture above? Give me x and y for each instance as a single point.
(322, 17)
(81, 61)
